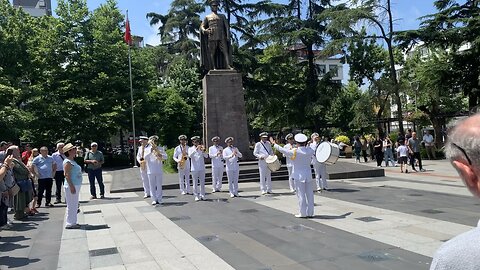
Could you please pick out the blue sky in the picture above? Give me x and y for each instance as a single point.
(407, 12)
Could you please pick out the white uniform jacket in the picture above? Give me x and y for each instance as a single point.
(231, 160)
(216, 158)
(289, 160)
(302, 157)
(177, 156)
(197, 158)
(140, 151)
(154, 164)
(262, 151)
(314, 146)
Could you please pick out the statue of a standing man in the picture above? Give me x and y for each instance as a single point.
(216, 50)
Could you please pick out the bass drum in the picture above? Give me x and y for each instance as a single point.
(273, 163)
(327, 153)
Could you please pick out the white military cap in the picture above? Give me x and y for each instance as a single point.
(263, 134)
(196, 138)
(314, 135)
(289, 136)
(143, 138)
(301, 138)
(182, 137)
(228, 139)
(216, 138)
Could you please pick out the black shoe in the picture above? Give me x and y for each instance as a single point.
(49, 205)
(102, 197)
(57, 202)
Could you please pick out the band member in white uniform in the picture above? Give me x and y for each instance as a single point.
(231, 155)
(262, 150)
(289, 146)
(155, 155)
(180, 155)
(302, 173)
(197, 156)
(215, 154)
(143, 165)
(320, 169)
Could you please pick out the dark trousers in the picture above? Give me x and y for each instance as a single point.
(364, 154)
(3, 213)
(379, 158)
(45, 185)
(416, 155)
(59, 179)
(92, 174)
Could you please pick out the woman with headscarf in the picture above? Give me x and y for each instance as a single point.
(22, 176)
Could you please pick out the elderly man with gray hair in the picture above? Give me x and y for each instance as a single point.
(463, 151)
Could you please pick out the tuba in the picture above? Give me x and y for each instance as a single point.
(153, 141)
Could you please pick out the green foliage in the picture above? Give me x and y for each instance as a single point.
(170, 166)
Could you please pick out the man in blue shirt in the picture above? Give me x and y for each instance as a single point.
(46, 168)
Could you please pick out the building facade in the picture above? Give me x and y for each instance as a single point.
(35, 8)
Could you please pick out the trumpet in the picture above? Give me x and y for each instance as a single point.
(153, 142)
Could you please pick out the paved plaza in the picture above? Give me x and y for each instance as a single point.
(391, 222)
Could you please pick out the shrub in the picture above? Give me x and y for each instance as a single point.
(343, 138)
(170, 166)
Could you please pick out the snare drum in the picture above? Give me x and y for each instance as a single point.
(327, 153)
(273, 163)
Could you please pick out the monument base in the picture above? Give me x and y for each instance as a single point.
(224, 112)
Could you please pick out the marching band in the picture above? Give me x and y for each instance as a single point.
(300, 155)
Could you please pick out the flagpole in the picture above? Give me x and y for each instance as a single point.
(131, 99)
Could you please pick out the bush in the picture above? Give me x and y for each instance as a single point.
(170, 166)
(343, 138)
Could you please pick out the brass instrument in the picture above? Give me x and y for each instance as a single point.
(143, 162)
(153, 142)
(184, 158)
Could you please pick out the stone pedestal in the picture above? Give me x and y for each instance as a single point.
(224, 110)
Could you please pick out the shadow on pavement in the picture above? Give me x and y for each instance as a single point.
(11, 246)
(332, 217)
(14, 262)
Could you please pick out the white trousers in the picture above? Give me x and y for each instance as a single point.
(155, 182)
(217, 175)
(321, 175)
(233, 182)
(198, 178)
(72, 205)
(265, 179)
(291, 182)
(305, 197)
(145, 182)
(184, 180)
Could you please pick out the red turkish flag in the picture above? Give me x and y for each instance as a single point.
(128, 35)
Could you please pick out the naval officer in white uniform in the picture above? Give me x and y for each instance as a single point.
(197, 156)
(180, 155)
(262, 150)
(154, 156)
(215, 154)
(289, 146)
(231, 154)
(143, 165)
(321, 176)
(301, 172)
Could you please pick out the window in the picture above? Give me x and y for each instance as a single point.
(321, 69)
(333, 69)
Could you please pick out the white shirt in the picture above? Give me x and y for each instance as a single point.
(288, 147)
(197, 159)
(177, 156)
(231, 160)
(262, 150)
(140, 152)
(301, 170)
(428, 139)
(58, 158)
(213, 153)
(154, 164)
(402, 150)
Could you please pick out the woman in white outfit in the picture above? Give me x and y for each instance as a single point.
(231, 156)
(154, 155)
(73, 182)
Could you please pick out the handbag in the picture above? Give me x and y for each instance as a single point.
(25, 185)
(14, 190)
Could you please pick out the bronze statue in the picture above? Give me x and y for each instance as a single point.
(216, 49)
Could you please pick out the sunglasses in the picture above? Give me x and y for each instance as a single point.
(464, 152)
